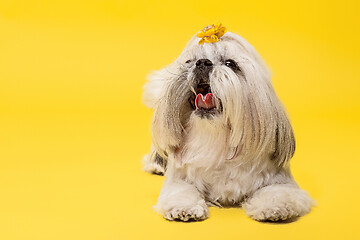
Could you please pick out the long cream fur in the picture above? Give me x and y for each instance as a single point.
(237, 157)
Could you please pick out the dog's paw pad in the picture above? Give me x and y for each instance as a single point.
(195, 213)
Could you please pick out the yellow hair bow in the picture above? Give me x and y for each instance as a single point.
(211, 33)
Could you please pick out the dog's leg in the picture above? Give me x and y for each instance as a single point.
(278, 202)
(180, 200)
(154, 163)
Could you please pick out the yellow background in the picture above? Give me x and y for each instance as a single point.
(73, 129)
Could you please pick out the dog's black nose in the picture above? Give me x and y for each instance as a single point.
(203, 64)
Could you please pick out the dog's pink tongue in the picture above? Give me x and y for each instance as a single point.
(206, 102)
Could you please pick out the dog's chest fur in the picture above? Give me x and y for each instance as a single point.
(207, 161)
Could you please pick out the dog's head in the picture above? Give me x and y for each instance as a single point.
(227, 81)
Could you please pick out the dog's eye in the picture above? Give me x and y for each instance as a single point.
(188, 61)
(231, 64)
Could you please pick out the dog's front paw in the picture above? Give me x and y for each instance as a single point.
(195, 213)
(278, 202)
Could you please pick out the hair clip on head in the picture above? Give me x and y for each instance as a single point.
(211, 33)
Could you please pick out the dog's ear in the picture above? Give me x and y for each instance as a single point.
(154, 97)
(164, 94)
(259, 124)
(271, 132)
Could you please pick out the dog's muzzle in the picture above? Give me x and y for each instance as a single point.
(203, 101)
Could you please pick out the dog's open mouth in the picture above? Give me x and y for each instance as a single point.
(204, 102)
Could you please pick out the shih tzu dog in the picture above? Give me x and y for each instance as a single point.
(220, 134)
